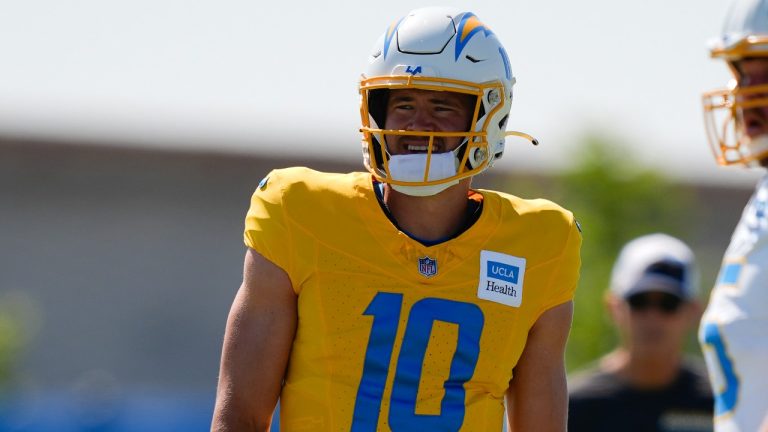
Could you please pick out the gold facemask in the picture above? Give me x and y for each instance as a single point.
(475, 155)
(724, 108)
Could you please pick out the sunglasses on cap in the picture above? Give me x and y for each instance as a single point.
(663, 302)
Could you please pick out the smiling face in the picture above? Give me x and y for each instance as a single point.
(427, 111)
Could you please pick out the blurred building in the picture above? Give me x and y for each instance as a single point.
(122, 263)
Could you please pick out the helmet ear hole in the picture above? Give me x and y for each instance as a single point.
(503, 122)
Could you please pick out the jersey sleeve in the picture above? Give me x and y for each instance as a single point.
(565, 274)
(267, 226)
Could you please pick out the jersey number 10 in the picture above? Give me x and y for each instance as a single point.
(385, 309)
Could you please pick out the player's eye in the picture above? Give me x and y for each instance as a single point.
(446, 108)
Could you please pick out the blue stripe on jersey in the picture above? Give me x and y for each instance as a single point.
(729, 275)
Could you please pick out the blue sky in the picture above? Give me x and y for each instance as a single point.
(250, 76)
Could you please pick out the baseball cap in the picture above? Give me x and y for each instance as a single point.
(655, 262)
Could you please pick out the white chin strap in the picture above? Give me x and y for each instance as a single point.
(411, 168)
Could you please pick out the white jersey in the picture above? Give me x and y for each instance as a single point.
(734, 328)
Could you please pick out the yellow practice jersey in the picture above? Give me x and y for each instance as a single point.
(395, 335)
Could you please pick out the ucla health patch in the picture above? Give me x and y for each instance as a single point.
(501, 278)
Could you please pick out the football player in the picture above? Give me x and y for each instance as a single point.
(400, 298)
(734, 328)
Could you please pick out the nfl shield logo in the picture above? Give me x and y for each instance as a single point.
(427, 266)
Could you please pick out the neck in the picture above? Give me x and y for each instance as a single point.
(643, 372)
(429, 217)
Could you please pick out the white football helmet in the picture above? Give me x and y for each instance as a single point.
(745, 35)
(441, 49)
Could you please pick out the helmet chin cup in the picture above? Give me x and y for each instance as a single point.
(421, 191)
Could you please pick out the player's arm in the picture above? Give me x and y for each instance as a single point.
(537, 399)
(257, 342)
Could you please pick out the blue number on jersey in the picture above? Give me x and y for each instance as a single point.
(386, 308)
(726, 398)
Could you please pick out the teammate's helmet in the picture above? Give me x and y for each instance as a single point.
(745, 35)
(441, 49)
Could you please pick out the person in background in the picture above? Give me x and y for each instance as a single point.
(646, 383)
